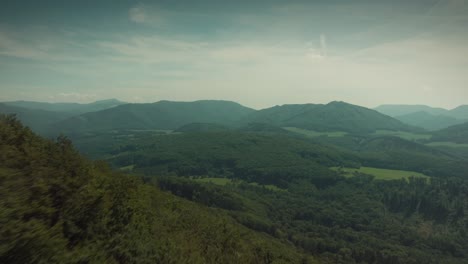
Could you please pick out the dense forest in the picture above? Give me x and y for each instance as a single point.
(58, 207)
(214, 195)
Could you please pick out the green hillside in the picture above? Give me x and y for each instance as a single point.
(253, 157)
(201, 127)
(57, 207)
(38, 120)
(335, 116)
(457, 134)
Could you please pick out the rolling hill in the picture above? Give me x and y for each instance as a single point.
(74, 108)
(457, 134)
(428, 121)
(460, 112)
(38, 120)
(399, 110)
(334, 116)
(164, 115)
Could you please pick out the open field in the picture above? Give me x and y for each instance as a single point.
(447, 144)
(217, 181)
(402, 134)
(380, 174)
(312, 133)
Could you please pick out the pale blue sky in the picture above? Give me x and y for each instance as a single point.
(258, 53)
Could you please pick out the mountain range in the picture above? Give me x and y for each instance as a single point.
(72, 108)
(203, 115)
(166, 115)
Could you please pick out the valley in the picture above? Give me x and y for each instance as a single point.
(310, 191)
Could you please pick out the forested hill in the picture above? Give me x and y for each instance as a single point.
(164, 115)
(457, 133)
(37, 119)
(57, 207)
(334, 116)
(271, 199)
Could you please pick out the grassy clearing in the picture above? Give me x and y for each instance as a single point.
(217, 181)
(225, 181)
(127, 168)
(380, 174)
(312, 133)
(447, 144)
(402, 134)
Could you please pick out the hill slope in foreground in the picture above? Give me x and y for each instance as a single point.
(57, 207)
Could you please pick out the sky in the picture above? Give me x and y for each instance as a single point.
(257, 53)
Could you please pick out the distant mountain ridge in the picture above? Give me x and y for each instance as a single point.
(424, 116)
(334, 116)
(429, 121)
(113, 114)
(164, 115)
(75, 108)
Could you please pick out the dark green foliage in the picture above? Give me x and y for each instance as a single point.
(359, 220)
(56, 207)
(396, 153)
(263, 128)
(201, 127)
(266, 159)
(457, 134)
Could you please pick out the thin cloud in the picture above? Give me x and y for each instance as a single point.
(148, 15)
(137, 14)
(323, 44)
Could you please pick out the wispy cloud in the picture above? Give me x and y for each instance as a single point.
(146, 14)
(137, 14)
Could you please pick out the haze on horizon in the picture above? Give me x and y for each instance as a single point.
(257, 53)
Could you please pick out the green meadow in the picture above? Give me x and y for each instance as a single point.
(312, 133)
(447, 144)
(402, 134)
(380, 174)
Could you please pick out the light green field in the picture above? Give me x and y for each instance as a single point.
(225, 181)
(217, 181)
(127, 168)
(402, 134)
(447, 144)
(312, 133)
(380, 174)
